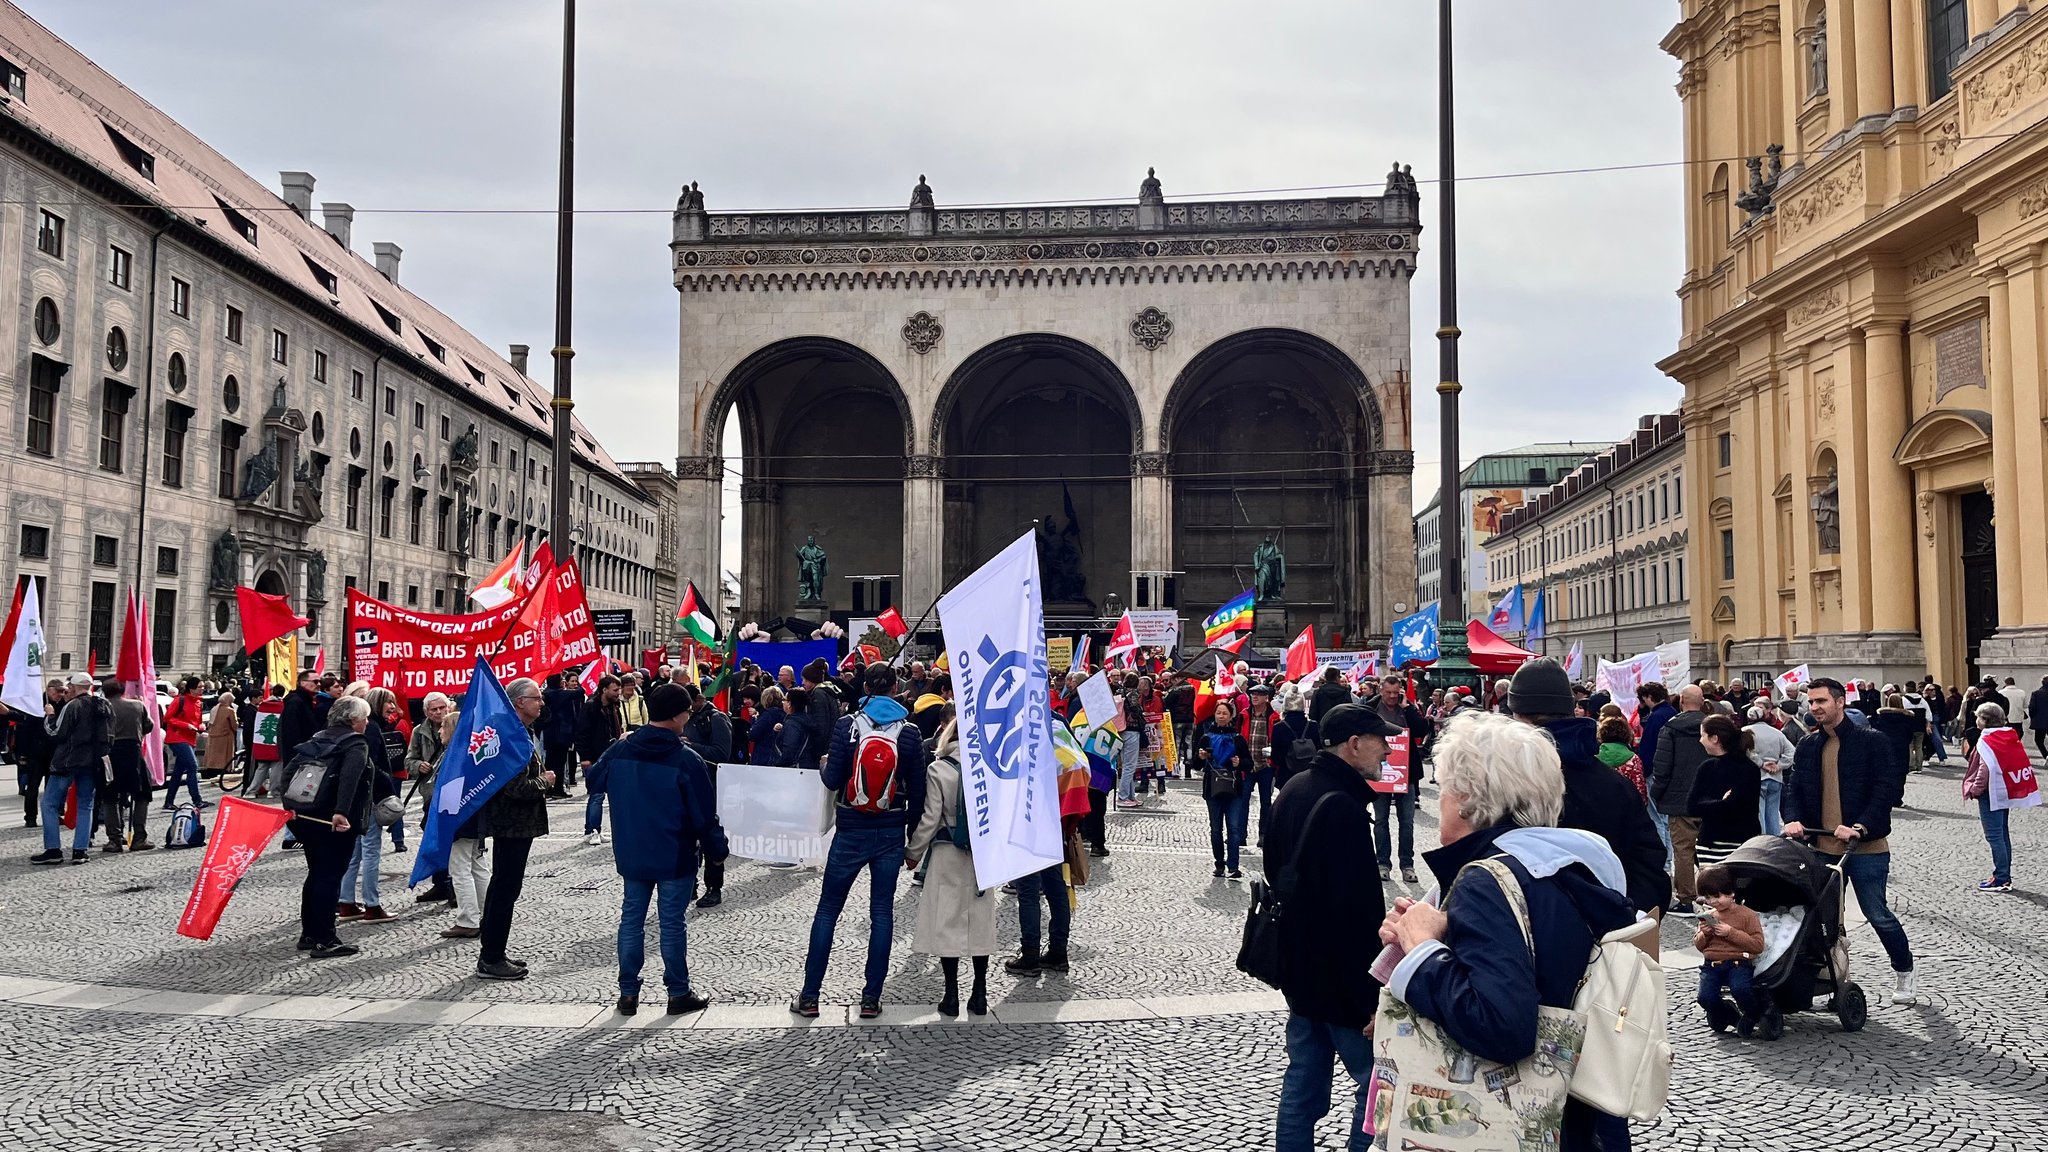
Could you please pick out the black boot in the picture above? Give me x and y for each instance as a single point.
(1025, 965)
(977, 1003)
(949, 1004)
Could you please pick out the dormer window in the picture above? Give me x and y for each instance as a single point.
(15, 79)
(244, 226)
(136, 156)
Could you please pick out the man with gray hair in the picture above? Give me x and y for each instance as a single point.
(512, 820)
(81, 735)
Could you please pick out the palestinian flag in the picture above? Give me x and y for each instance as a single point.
(694, 617)
(718, 690)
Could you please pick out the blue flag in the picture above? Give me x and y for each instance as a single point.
(1538, 626)
(1415, 638)
(490, 747)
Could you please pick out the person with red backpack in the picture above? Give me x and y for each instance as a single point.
(876, 772)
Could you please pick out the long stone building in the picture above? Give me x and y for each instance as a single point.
(1607, 546)
(1862, 334)
(1153, 387)
(202, 387)
(1488, 488)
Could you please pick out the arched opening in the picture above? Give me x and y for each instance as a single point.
(822, 429)
(1037, 432)
(1716, 208)
(271, 583)
(1266, 430)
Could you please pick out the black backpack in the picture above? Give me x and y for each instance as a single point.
(1260, 954)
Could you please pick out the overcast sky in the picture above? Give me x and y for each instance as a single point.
(1567, 280)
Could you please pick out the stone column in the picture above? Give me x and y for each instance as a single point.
(1387, 520)
(924, 534)
(1890, 504)
(1983, 14)
(1841, 65)
(2006, 497)
(758, 524)
(1151, 518)
(1746, 500)
(1805, 553)
(1907, 51)
(2030, 468)
(699, 523)
(1852, 458)
(1873, 34)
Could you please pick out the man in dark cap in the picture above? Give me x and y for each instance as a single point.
(1322, 832)
(663, 813)
(1597, 799)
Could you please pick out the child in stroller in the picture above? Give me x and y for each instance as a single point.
(1729, 939)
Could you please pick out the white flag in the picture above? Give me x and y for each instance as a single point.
(994, 624)
(1575, 663)
(1791, 681)
(23, 691)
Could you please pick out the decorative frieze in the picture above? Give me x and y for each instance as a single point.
(1825, 198)
(1814, 305)
(1940, 262)
(924, 467)
(1149, 464)
(2010, 85)
(699, 467)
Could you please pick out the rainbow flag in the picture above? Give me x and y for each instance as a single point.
(1236, 616)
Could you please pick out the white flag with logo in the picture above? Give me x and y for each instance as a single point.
(994, 624)
(23, 690)
(1792, 680)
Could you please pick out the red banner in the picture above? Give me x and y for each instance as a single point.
(241, 831)
(418, 652)
(1394, 773)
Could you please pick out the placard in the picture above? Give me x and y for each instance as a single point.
(1157, 628)
(1394, 773)
(1059, 654)
(613, 625)
(775, 815)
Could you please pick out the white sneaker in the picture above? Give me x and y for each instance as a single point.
(1905, 990)
(593, 838)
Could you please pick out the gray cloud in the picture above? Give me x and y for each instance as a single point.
(1567, 280)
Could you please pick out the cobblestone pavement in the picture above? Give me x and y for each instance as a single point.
(179, 1067)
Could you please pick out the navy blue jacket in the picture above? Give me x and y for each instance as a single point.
(909, 767)
(1870, 781)
(663, 806)
(1602, 801)
(558, 721)
(1482, 985)
(1653, 725)
(783, 748)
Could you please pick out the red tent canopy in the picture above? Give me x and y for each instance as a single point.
(1491, 654)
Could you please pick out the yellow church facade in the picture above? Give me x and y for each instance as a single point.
(1864, 337)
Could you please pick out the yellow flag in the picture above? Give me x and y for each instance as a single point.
(282, 655)
(1169, 754)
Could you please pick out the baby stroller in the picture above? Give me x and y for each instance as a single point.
(1806, 955)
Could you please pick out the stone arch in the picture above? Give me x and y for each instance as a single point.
(786, 353)
(1099, 367)
(1944, 434)
(1314, 350)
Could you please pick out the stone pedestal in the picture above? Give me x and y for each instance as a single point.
(816, 611)
(1269, 625)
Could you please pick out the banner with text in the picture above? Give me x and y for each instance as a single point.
(435, 653)
(1157, 628)
(775, 815)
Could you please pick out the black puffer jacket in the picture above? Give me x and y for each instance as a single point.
(1679, 756)
(351, 776)
(1869, 784)
(1599, 800)
(1330, 935)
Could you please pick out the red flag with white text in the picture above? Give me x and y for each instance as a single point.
(242, 829)
(1301, 656)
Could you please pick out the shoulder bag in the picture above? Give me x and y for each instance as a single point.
(1259, 953)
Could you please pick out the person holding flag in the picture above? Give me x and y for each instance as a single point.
(80, 736)
(515, 813)
(327, 824)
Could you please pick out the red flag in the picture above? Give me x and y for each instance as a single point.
(1081, 654)
(70, 818)
(1301, 655)
(320, 660)
(653, 658)
(540, 586)
(128, 665)
(892, 622)
(1124, 641)
(92, 663)
(7, 630)
(1234, 645)
(591, 675)
(241, 831)
(265, 618)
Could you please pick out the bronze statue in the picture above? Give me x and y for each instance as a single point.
(1269, 568)
(810, 579)
(227, 562)
(316, 578)
(260, 471)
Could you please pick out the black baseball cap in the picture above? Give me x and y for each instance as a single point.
(1347, 720)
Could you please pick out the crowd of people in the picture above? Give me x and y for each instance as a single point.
(1587, 816)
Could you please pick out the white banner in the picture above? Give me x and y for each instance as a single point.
(994, 624)
(779, 815)
(24, 688)
(1157, 629)
(1621, 680)
(1100, 703)
(1675, 664)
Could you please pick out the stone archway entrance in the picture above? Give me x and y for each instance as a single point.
(1275, 432)
(823, 432)
(1037, 432)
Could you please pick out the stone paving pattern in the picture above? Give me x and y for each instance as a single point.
(1965, 1069)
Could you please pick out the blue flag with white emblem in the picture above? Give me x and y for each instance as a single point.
(490, 747)
(1415, 638)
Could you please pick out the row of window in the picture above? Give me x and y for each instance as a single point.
(99, 621)
(1656, 501)
(1647, 584)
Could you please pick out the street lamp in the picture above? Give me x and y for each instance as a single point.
(1450, 501)
(565, 237)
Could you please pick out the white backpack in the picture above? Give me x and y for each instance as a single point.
(1625, 1067)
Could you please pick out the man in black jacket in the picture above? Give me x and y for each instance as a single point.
(300, 721)
(1677, 763)
(1330, 935)
(1597, 799)
(599, 725)
(1393, 707)
(561, 710)
(2037, 716)
(1844, 784)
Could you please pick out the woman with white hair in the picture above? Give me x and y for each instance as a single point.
(2000, 778)
(333, 822)
(1479, 961)
(422, 755)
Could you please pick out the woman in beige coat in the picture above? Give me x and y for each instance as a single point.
(955, 918)
(220, 734)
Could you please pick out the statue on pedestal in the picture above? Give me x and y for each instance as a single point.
(1827, 516)
(810, 573)
(227, 562)
(1269, 571)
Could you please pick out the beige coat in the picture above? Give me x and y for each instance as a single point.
(220, 735)
(954, 918)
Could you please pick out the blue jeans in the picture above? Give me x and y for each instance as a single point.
(593, 813)
(1738, 977)
(55, 790)
(184, 767)
(1052, 885)
(1768, 812)
(673, 904)
(1870, 872)
(1127, 768)
(1999, 836)
(363, 862)
(1225, 841)
(1403, 804)
(1663, 823)
(1938, 752)
(1312, 1046)
(880, 851)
